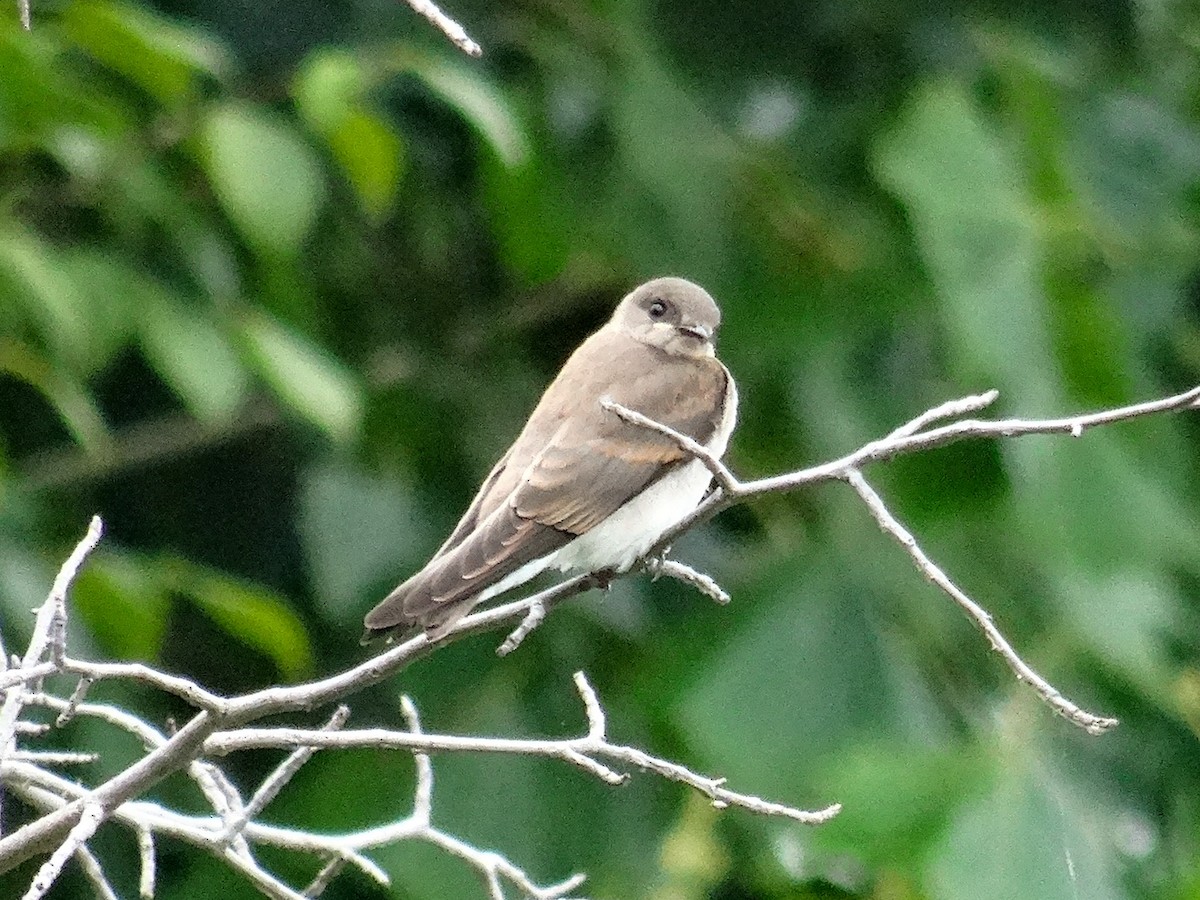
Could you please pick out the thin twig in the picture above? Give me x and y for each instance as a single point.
(597, 723)
(674, 569)
(325, 877)
(725, 479)
(423, 794)
(951, 409)
(48, 620)
(585, 752)
(1090, 722)
(54, 757)
(73, 701)
(275, 782)
(446, 26)
(533, 618)
(80, 833)
(95, 874)
(149, 862)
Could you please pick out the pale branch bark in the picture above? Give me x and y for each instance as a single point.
(222, 724)
(912, 437)
(148, 859)
(1090, 722)
(446, 26)
(95, 874)
(232, 833)
(77, 837)
(533, 618)
(580, 751)
(661, 567)
(949, 410)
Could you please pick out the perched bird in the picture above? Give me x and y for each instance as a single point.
(581, 489)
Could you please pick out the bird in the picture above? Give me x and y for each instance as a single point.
(581, 489)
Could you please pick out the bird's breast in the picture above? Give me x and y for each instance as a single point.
(622, 538)
(625, 536)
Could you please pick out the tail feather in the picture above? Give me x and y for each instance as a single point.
(450, 584)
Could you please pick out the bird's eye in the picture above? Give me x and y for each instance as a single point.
(657, 309)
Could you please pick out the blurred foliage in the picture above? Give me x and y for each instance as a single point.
(279, 281)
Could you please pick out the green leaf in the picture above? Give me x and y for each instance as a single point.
(193, 356)
(810, 642)
(328, 91)
(358, 531)
(896, 798)
(327, 85)
(268, 180)
(74, 405)
(372, 156)
(31, 275)
(973, 221)
(252, 614)
(1028, 838)
(108, 288)
(304, 376)
(124, 605)
(527, 218)
(678, 214)
(480, 103)
(162, 57)
(39, 97)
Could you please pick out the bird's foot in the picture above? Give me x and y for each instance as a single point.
(653, 564)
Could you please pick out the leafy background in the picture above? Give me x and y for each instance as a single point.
(279, 281)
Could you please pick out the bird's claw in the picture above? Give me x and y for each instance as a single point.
(654, 564)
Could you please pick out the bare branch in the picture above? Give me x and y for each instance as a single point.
(81, 833)
(967, 429)
(446, 26)
(597, 725)
(149, 861)
(584, 752)
(325, 877)
(533, 618)
(705, 584)
(54, 757)
(95, 874)
(423, 795)
(951, 409)
(222, 725)
(73, 702)
(1090, 722)
(275, 782)
(50, 620)
(183, 688)
(71, 567)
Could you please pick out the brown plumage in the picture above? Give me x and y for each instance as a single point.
(575, 464)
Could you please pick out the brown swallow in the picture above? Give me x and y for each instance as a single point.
(581, 489)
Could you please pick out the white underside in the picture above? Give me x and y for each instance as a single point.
(625, 536)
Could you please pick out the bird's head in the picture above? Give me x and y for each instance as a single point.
(672, 314)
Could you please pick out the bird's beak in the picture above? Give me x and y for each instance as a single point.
(697, 331)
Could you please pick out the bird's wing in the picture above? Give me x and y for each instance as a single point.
(597, 462)
(590, 465)
(472, 516)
